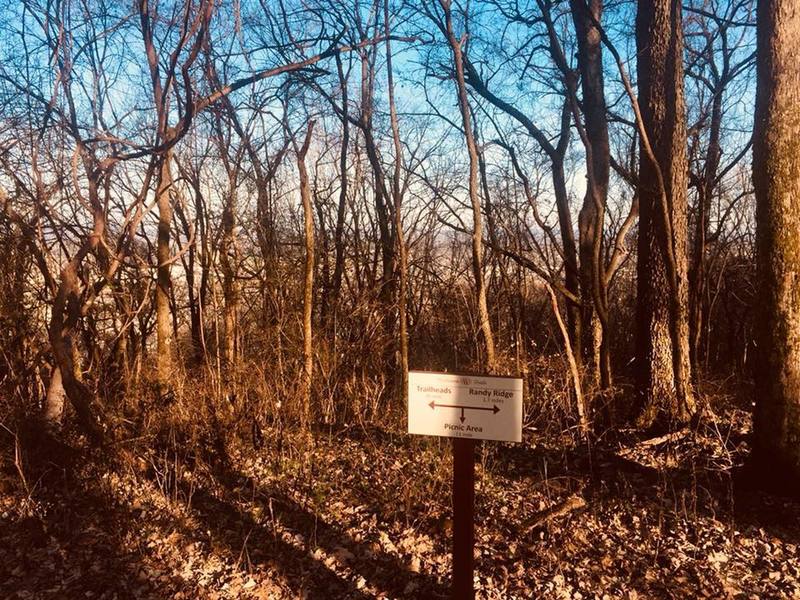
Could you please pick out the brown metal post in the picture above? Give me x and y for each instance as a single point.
(463, 518)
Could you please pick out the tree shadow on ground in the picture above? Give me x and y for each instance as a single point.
(73, 545)
(601, 473)
(264, 543)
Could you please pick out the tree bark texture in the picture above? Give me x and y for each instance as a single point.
(776, 175)
(594, 294)
(662, 356)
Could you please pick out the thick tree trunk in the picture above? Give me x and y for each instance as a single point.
(477, 230)
(776, 175)
(662, 357)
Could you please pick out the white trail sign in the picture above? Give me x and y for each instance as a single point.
(465, 406)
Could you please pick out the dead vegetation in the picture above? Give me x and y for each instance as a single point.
(364, 512)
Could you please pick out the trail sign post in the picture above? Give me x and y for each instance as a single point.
(466, 408)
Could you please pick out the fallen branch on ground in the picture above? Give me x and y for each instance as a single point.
(561, 509)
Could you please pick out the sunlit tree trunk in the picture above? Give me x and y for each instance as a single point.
(308, 281)
(477, 230)
(776, 175)
(54, 401)
(594, 294)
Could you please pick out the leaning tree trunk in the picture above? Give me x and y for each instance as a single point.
(64, 318)
(662, 356)
(68, 309)
(477, 229)
(776, 176)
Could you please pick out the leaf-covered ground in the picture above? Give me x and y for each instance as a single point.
(366, 514)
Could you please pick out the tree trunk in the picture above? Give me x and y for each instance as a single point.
(379, 191)
(697, 271)
(63, 321)
(54, 402)
(592, 214)
(662, 356)
(572, 283)
(338, 234)
(308, 282)
(776, 176)
(230, 290)
(397, 195)
(477, 230)
(163, 281)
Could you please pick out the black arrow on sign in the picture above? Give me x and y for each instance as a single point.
(494, 408)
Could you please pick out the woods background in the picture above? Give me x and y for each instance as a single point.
(175, 229)
(229, 228)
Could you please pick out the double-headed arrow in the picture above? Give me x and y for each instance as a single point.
(494, 408)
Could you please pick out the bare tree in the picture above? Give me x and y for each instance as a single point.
(192, 24)
(308, 281)
(719, 53)
(397, 202)
(445, 24)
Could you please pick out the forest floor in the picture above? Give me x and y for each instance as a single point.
(365, 513)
